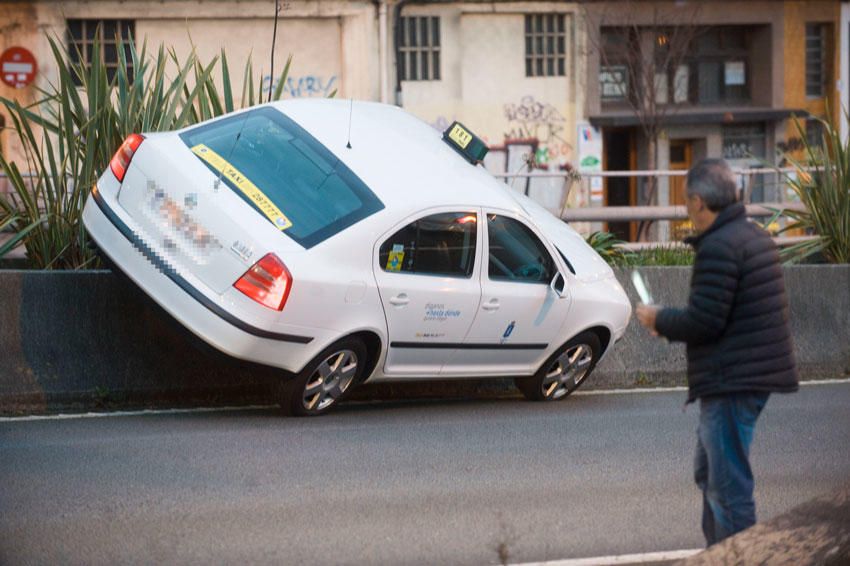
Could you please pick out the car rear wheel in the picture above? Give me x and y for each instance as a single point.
(564, 371)
(325, 380)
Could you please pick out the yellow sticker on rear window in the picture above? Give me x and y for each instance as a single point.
(249, 189)
(460, 136)
(395, 259)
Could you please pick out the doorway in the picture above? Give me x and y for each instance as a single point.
(619, 155)
(681, 158)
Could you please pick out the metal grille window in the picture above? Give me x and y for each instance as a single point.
(815, 59)
(744, 146)
(814, 133)
(545, 45)
(419, 48)
(111, 35)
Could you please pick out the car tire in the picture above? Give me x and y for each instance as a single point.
(564, 371)
(325, 381)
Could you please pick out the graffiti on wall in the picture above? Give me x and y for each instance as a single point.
(307, 86)
(531, 119)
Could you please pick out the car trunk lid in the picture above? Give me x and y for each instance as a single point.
(185, 211)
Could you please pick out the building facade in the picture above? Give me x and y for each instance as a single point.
(730, 87)
(549, 85)
(334, 44)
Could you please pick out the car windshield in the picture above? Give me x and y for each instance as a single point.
(284, 173)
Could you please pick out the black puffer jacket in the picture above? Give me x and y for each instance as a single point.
(736, 322)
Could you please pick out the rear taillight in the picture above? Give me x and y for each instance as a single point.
(121, 159)
(268, 282)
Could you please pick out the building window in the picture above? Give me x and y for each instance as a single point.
(814, 133)
(111, 35)
(545, 45)
(613, 82)
(815, 59)
(744, 146)
(744, 141)
(419, 48)
(719, 66)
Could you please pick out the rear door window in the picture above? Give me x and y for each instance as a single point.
(284, 173)
(439, 244)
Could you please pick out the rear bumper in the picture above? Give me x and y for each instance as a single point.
(203, 314)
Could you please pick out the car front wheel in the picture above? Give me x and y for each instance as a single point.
(564, 371)
(325, 380)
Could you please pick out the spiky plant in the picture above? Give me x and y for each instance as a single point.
(70, 133)
(822, 183)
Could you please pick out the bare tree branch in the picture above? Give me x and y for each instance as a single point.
(648, 43)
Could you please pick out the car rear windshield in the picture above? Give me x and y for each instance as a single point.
(290, 178)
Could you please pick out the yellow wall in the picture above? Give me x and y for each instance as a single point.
(796, 15)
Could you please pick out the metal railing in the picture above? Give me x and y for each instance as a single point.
(576, 188)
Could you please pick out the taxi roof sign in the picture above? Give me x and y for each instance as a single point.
(470, 146)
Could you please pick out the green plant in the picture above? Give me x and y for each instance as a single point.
(660, 255)
(822, 184)
(612, 251)
(69, 135)
(8, 224)
(607, 245)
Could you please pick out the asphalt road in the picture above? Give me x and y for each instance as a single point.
(404, 483)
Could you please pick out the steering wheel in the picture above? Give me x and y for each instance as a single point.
(529, 271)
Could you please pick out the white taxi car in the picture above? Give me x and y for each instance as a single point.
(349, 241)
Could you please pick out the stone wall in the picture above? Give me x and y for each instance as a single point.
(82, 340)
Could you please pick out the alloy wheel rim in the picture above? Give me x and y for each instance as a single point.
(567, 371)
(330, 380)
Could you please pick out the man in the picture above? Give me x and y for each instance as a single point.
(738, 340)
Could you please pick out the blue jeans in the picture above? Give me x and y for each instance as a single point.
(722, 464)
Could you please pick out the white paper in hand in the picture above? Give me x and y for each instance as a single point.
(641, 288)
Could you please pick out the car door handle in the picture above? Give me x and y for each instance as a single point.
(493, 305)
(399, 300)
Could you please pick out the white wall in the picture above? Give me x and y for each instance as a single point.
(484, 84)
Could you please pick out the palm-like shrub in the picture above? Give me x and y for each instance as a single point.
(607, 245)
(70, 133)
(822, 183)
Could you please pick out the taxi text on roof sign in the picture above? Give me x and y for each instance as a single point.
(470, 146)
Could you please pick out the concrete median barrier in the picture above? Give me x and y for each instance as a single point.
(83, 340)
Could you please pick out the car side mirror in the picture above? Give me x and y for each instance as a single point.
(557, 285)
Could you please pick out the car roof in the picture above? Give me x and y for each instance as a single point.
(403, 160)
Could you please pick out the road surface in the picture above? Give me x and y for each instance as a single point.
(394, 483)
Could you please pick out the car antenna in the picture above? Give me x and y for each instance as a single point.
(350, 114)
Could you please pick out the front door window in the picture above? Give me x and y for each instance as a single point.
(516, 254)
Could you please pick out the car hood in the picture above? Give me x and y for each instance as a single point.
(588, 265)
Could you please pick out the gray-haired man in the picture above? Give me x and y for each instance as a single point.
(738, 342)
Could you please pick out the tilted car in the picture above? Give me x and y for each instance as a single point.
(344, 241)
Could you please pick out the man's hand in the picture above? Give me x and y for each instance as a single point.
(646, 316)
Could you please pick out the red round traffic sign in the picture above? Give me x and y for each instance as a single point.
(17, 67)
